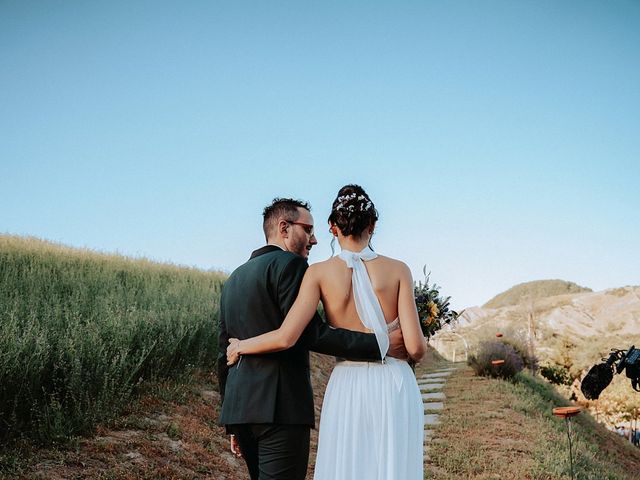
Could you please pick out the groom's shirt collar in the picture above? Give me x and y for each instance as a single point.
(266, 249)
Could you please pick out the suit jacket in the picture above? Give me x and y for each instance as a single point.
(274, 388)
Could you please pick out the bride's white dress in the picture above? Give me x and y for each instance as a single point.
(372, 421)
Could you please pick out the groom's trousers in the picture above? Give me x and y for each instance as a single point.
(273, 451)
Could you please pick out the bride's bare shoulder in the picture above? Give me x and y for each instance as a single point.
(326, 265)
(392, 262)
(394, 266)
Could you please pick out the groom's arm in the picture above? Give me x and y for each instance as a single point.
(223, 342)
(322, 338)
(353, 345)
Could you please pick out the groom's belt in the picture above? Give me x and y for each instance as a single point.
(340, 359)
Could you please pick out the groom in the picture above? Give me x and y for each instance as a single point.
(267, 400)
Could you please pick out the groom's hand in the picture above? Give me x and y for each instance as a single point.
(235, 446)
(396, 345)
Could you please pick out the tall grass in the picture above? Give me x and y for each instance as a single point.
(79, 330)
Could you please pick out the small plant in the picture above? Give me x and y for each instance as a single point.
(433, 309)
(174, 432)
(556, 374)
(491, 351)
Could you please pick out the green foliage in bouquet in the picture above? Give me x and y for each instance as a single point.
(433, 309)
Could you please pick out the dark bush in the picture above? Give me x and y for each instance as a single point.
(494, 350)
(556, 374)
(530, 361)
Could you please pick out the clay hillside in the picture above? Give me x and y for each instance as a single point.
(570, 325)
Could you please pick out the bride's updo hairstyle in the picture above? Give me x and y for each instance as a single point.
(353, 211)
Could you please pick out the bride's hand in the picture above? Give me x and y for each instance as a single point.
(397, 348)
(233, 351)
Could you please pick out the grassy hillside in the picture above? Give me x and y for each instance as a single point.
(494, 429)
(568, 334)
(490, 429)
(168, 432)
(531, 291)
(79, 330)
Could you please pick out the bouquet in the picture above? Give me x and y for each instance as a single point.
(433, 309)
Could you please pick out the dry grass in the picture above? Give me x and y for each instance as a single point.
(493, 429)
(169, 432)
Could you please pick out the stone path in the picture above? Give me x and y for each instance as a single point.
(431, 385)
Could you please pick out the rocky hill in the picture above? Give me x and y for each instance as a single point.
(535, 290)
(568, 324)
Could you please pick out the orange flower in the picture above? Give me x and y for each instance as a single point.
(433, 309)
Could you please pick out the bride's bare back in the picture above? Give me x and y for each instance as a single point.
(336, 293)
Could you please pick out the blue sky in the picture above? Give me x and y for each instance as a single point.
(499, 140)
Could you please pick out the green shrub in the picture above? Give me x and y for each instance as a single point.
(79, 330)
(556, 374)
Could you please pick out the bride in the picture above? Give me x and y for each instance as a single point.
(372, 420)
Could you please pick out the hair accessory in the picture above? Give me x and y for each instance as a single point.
(364, 203)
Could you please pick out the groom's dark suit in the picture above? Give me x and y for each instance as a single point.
(274, 389)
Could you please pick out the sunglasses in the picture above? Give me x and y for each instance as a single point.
(307, 228)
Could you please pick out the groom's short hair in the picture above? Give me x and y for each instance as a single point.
(286, 208)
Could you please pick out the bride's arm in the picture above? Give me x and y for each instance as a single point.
(414, 340)
(287, 335)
